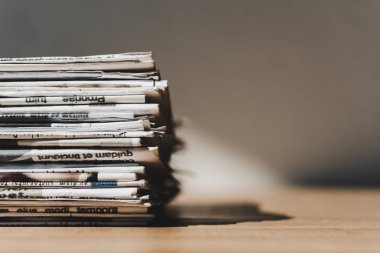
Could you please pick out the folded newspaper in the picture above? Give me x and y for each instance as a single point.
(84, 141)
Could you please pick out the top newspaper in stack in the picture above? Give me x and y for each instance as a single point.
(133, 62)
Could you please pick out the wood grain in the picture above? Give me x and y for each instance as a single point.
(285, 220)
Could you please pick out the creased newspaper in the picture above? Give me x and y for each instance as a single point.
(76, 75)
(96, 142)
(136, 109)
(71, 168)
(109, 84)
(64, 134)
(73, 100)
(73, 184)
(140, 155)
(75, 92)
(132, 125)
(72, 116)
(64, 177)
(125, 62)
(69, 193)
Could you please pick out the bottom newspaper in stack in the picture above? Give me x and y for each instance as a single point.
(82, 195)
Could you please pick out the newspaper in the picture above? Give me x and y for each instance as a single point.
(61, 222)
(130, 56)
(66, 213)
(64, 134)
(58, 176)
(75, 209)
(69, 193)
(76, 203)
(140, 155)
(71, 168)
(72, 100)
(14, 92)
(73, 184)
(77, 75)
(132, 125)
(86, 84)
(72, 116)
(97, 142)
(125, 62)
(136, 109)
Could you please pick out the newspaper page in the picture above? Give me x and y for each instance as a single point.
(58, 176)
(132, 125)
(140, 155)
(75, 193)
(77, 75)
(97, 142)
(112, 62)
(71, 168)
(86, 84)
(136, 109)
(75, 134)
(14, 92)
(72, 100)
(72, 116)
(77, 202)
(73, 184)
(75, 209)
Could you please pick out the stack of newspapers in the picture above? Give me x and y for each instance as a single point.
(84, 140)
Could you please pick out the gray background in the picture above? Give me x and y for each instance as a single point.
(288, 89)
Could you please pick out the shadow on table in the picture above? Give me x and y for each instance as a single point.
(189, 215)
(172, 216)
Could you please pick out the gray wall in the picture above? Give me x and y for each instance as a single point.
(290, 87)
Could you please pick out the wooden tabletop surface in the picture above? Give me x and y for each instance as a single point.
(284, 220)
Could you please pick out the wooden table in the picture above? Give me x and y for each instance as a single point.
(284, 220)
